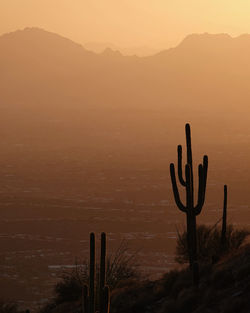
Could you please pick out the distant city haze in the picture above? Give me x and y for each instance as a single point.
(133, 26)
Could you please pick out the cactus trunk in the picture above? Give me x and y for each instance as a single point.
(224, 219)
(102, 272)
(92, 274)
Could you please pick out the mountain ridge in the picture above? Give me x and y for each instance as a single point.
(44, 79)
(189, 39)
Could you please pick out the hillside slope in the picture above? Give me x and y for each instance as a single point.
(224, 288)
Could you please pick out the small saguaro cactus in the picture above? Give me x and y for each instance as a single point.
(89, 294)
(224, 219)
(190, 208)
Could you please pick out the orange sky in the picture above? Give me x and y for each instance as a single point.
(127, 23)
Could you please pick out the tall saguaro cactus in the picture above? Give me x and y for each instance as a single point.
(190, 208)
(92, 274)
(224, 219)
(102, 273)
(89, 292)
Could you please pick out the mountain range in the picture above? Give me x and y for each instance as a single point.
(50, 82)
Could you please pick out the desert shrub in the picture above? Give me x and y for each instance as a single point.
(9, 307)
(69, 288)
(209, 243)
(120, 267)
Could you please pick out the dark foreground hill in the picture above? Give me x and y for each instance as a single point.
(224, 288)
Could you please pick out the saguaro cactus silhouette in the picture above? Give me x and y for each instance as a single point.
(89, 294)
(224, 219)
(190, 208)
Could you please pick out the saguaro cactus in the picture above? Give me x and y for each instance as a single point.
(190, 208)
(89, 294)
(224, 219)
(102, 274)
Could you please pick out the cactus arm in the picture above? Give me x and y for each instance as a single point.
(205, 167)
(92, 274)
(202, 185)
(175, 189)
(102, 271)
(201, 191)
(179, 152)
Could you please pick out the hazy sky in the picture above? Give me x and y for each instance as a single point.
(154, 23)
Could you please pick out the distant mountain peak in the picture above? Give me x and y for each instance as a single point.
(38, 34)
(35, 29)
(206, 38)
(34, 40)
(111, 52)
(30, 30)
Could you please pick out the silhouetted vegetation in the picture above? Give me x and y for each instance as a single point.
(10, 307)
(223, 288)
(191, 209)
(96, 294)
(209, 243)
(120, 267)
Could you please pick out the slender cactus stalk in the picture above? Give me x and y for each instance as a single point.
(224, 219)
(102, 272)
(190, 208)
(92, 274)
(89, 292)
